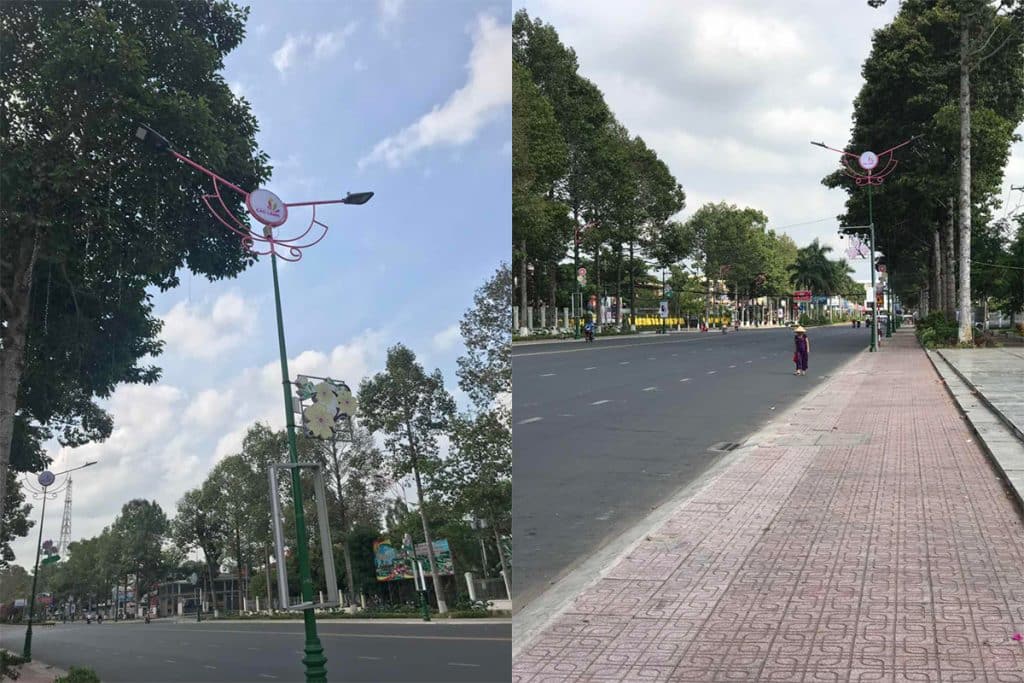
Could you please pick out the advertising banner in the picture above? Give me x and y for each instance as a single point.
(392, 564)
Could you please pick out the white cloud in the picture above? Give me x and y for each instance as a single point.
(165, 442)
(487, 91)
(327, 45)
(296, 48)
(237, 88)
(447, 338)
(390, 12)
(284, 56)
(205, 332)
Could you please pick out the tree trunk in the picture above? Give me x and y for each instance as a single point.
(554, 294)
(442, 606)
(343, 526)
(523, 303)
(938, 283)
(632, 291)
(949, 267)
(965, 332)
(618, 289)
(266, 567)
(17, 306)
(501, 558)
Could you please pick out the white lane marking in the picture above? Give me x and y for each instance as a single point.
(602, 347)
(651, 389)
(530, 419)
(362, 657)
(251, 648)
(267, 676)
(207, 666)
(462, 664)
(711, 372)
(675, 354)
(170, 661)
(763, 357)
(566, 415)
(592, 367)
(685, 379)
(651, 358)
(548, 374)
(597, 403)
(732, 366)
(625, 362)
(750, 361)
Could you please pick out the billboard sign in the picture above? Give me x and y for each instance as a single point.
(392, 564)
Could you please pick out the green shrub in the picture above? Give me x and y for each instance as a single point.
(936, 330)
(79, 674)
(9, 663)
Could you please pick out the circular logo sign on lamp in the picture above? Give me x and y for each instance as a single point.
(266, 207)
(868, 160)
(46, 478)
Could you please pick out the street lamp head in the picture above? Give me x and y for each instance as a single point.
(818, 144)
(152, 139)
(357, 198)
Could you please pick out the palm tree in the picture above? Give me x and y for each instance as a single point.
(812, 269)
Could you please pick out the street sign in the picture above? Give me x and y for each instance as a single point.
(193, 579)
(879, 300)
(581, 276)
(50, 559)
(663, 309)
(46, 478)
(802, 295)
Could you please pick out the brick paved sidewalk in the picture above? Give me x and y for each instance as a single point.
(865, 539)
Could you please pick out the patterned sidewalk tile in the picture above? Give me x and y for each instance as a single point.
(865, 539)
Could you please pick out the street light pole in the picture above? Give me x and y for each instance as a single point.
(885, 162)
(46, 479)
(314, 660)
(268, 209)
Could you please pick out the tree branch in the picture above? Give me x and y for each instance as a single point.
(993, 52)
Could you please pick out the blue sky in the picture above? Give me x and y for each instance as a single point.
(409, 99)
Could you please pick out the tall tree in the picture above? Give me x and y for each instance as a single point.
(91, 225)
(140, 531)
(411, 409)
(197, 525)
(485, 371)
(538, 160)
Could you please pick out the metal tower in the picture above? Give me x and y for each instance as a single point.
(65, 524)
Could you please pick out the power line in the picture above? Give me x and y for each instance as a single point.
(793, 225)
(997, 265)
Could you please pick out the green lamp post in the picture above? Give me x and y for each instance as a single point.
(267, 208)
(46, 480)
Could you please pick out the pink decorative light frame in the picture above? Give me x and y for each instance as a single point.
(289, 249)
(869, 176)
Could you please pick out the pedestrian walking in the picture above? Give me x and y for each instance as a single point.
(803, 350)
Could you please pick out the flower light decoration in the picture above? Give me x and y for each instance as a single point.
(331, 409)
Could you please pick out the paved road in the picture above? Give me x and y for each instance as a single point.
(239, 651)
(605, 432)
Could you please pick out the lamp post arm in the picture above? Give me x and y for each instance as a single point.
(216, 178)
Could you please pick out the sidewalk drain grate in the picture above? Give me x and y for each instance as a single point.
(724, 446)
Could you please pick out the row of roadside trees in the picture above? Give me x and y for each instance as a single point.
(463, 495)
(951, 71)
(588, 194)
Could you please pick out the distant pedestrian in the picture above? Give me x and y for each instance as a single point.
(803, 350)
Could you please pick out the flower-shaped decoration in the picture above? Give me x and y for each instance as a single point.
(333, 406)
(319, 421)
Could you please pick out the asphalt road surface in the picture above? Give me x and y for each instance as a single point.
(605, 432)
(246, 651)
